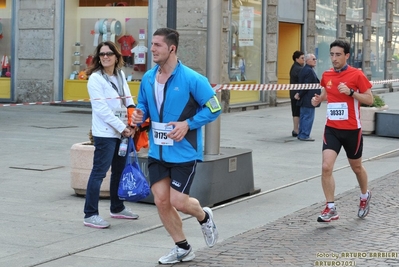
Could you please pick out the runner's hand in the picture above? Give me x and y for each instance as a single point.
(180, 128)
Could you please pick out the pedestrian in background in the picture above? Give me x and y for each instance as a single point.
(307, 75)
(299, 59)
(107, 88)
(345, 88)
(179, 101)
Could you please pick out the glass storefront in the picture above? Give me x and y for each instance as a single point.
(5, 49)
(245, 47)
(395, 40)
(89, 22)
(378, 27)
(354, 32)
(326, 26)
(246, 38)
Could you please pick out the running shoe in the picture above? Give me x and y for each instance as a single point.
(96, 221)
(209, 229)
(364, 206)
(328, 214)
(177, 255)
(125, 214)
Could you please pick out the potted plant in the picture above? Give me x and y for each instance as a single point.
(81, 164)
(367, 114)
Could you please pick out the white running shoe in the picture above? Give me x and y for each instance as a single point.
(209, 229)
(177, 255)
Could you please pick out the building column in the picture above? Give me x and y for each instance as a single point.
(271, 47)
(38, 40)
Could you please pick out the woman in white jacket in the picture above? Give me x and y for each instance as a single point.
(110, 97)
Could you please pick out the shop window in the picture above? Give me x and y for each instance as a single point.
(84, 3)
(326, 26)
(396, 7)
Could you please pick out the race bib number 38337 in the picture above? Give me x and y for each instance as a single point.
(159, 133)
(337, 111)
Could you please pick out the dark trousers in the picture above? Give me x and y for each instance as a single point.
(306, 122)
(105, 156)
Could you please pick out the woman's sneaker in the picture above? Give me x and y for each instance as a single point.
(327, 215)
(96, 221)
(125, 214)
(177, 255)
(209, 229)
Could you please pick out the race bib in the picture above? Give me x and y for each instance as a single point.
(337, 111)
(159, 133)
(121, 113)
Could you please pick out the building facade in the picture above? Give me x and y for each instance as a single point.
(45, 44)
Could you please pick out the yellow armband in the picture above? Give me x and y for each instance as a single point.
(213, 104)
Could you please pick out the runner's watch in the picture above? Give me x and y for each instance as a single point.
(351, 92)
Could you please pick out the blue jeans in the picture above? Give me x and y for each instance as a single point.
(306, 122)
(105, 155)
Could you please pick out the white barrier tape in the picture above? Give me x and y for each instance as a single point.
(273, 87)
(265, 87)
(217, 88)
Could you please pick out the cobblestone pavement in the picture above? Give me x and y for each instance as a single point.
(298, 240)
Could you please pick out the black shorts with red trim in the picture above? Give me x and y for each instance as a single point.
(351, 140)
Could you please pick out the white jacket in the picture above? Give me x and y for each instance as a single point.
(104, 99)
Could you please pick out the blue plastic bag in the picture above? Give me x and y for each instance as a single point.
(133, 185)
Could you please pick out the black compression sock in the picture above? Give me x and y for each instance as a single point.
(183, 244)
(204, 220)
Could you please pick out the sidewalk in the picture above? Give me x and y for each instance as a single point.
(42, 222)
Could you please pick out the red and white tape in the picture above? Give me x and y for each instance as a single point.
(217, 88)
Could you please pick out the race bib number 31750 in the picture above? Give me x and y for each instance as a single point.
(159, 133)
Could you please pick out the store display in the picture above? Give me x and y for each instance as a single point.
(5, 67)
(107, 29)
(126, 42)
(76, 60)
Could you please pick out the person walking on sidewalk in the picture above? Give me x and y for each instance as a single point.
(296, 67)
(307, 75)
(178, 101)
(345, 88)
(106, 86)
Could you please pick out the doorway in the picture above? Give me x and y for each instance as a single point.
(289, 40)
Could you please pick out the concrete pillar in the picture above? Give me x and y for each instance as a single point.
(213, 64)
(38, 44)
(271, 48)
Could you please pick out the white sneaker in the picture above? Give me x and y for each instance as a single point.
(96, 221)
(209, 229)
(177, 255)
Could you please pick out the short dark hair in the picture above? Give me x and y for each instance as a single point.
(297, 54)
(171, 36)
(343, 44)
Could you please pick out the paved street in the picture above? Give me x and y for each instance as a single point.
(298, 240)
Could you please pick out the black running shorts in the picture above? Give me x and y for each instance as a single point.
(181, 174)
(351, 140)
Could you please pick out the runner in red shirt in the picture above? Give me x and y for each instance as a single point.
(344, 89)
